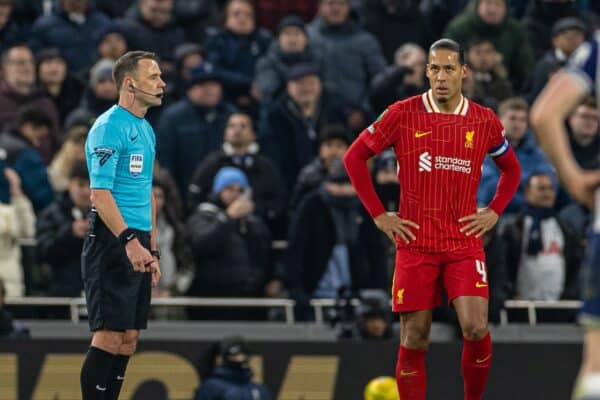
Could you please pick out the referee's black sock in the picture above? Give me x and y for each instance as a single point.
(116, 377)
(94, 373)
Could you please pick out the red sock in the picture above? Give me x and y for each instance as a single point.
(410, 374)
(476, 361)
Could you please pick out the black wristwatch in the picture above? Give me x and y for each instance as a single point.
(155, 253)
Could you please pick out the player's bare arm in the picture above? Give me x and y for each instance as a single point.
(106, 207)
(392, 225)
(553, 105)
(479, 223)
(155, 266)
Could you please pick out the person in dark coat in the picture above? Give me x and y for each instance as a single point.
(73, 29)
(289, 132)
(61, 228)
(291, 47)
(192, 128)
(240, 150)
(396, 22)
(98, 97)
(235, 50)
(333, 245)
(231, 245)
(20, 149)
(62, 87)
(17, 88)
(151, 27)
(232, 380)
(11, 32)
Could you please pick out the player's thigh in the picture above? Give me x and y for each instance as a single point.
(415, 327)
(416, 284)
(465, 274)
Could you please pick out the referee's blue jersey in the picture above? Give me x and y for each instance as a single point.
(120, 150)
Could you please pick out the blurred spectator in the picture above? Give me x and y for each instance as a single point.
(235, 49)
(289, 133)
(26, 12)
(270, 13)
(290, 48)
(543, 257)
(191, 128)
(352, 55)
(17, 221)
(584, 134)
(231, 245)
(438, 13)
(98, 97)
(495, 255)
(567, 35)
(195, 16)
(395, 23)
(73, 29)
(70, 152)
(20, 147)
(514, 115)
(187, 57)
(333, 143)
(373, 320)
(10, 31)
(151, 27)
(175, 254)
(542, 15)
(17, 88)
(490, 75)
(64, 89)
(333, 244)
(61, 229)
(489, 19)
(576, 218)
(112, 43)
(403, 79)
(240, 150)
(232, 380)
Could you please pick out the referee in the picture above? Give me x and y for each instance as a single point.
(119, 257)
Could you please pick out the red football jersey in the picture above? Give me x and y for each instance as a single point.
(439, 164)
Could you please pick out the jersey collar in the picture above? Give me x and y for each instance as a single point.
(432, 107)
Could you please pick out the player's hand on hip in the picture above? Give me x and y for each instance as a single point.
(583, 185)
(138, 255)
(479, 223)
(392, 225)
(155, 270)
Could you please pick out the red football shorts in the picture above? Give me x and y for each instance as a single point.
(419, 278)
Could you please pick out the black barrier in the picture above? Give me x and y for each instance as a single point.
(49, 370)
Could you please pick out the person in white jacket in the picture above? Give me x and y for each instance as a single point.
(17, 221)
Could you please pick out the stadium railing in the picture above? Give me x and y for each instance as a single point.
(533, 305)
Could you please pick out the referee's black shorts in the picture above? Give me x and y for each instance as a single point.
(117, 297)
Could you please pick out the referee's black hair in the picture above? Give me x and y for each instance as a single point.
(128, 63)
(451, 45)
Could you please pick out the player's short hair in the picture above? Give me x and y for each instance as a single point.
(512, 104)
(30, 114)
(127, 64)
(449, 44)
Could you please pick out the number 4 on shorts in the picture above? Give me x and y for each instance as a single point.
(480, 266)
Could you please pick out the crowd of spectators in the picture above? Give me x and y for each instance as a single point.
(263, 98)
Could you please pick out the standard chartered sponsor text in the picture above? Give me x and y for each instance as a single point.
(453, 164)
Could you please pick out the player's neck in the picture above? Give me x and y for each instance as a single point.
(133, 107)
(449, 106)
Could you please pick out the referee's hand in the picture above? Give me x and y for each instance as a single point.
(138, 255)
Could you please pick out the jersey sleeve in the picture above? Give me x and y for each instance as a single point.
(498, 145)
(583, 64)
(103, 148)
(382, 133)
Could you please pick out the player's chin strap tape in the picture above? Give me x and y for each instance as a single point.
(126, 236)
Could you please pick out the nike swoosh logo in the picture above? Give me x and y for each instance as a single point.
(407, 373)
(482, 360)
(102, 389)
(480, 285)
(419, 134)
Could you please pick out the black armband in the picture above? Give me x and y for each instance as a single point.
(126, 236)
